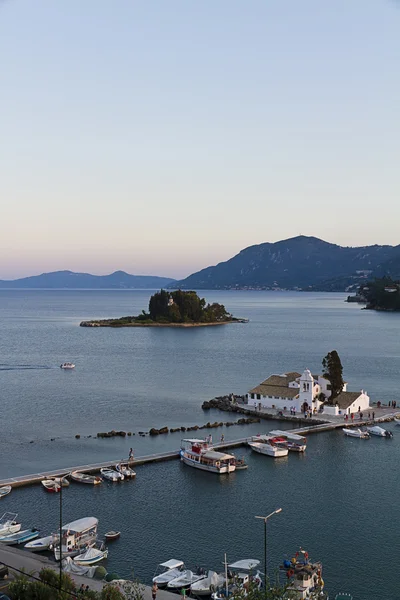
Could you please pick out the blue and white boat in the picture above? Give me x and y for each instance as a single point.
(41, 544)
(20, 538)
(92, 555)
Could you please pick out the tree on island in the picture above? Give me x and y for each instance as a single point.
(333, 372)
(184, 307)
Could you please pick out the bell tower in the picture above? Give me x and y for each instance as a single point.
(306, 390)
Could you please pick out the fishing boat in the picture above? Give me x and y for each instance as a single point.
(269, 449)
(304, 577)
(112, 535)
(185, 580)
(111, 475)
(199, 454)
(67, 365)
(20, 537)
(167, 571)
(9, 524)
(125, 470)
(6, 489)
(207, 585)
(77, 537)
(379, 431)
(41, 544)
(293, 441)
(238, 578)
(50, 485)
(92, 555)
(357, 433)
(85, 478)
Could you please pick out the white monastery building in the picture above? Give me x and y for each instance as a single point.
(303, 392)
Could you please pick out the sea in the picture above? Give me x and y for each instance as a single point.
(338, 500)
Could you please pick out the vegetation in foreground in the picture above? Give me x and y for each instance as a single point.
(172, 308)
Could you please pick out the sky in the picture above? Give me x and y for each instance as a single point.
(163, 136)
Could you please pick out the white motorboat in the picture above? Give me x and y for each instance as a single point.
(67, 365)
(184, 580)
(77, 537)
(238, 578)
(269, 449)
(199, 454)
(63, 481)
(379, 431)
(92, 555)
(208, 585)
(41, 544)
(50, 485)
(85, 478)
(15, 539)
(9, 524)
(125, 470)
(293, 441)
(111, 475)
(167, 571)
(6, 489)
(357, 433)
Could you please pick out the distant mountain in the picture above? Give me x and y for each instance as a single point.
(69, 280)
(302, 262)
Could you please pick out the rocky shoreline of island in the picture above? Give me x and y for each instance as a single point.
(122, 323)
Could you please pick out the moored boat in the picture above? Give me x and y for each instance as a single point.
(269, 449)
(111, 475)
(199, 454)
(67, 365)
(63, 481)
(50, 485)
(293, 441)
(207, 585)
(85, 478)
(41, 544)
(357, 433)
(125, 470)
(184, 580)
(304, 577)
(379, 431)
(9, 524)
(112, 535)
(92, 555)
(77, 537)
(5, 490)
(241, 464)
(237, 580)
(14, 539)
(397, 420)
(167, 571)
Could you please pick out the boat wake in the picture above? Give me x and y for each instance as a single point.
(6, 367)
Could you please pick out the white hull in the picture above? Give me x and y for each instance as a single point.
(211, 468)
(95, 557)
(40, 545)
(4, 491)
(268, 450)
(185, 580)
(356, 433)
(8, 530)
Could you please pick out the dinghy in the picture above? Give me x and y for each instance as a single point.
(67, 365)
(6, 489)
(184, 580)
(63, 481)
(205, 587)
(51, 486)
(167, 571)
(92, 555)
(111, 475)
(268, 449)
(125, 471)
(9, 524)
(41, 544)
(85, 478)
(20, 538)
(357, 433)
(112, 535)
(379, 431)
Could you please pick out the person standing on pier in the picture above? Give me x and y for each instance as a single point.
(154, 591)
(130, 455)
(222, 437)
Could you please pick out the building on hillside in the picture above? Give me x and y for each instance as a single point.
(304, 392)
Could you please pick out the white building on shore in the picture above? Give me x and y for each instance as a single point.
(303, 392)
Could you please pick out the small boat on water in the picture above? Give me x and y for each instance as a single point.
(268, 448)
(397, 420)
(112, 535)
(199, 454)
(50, 485)
(380, 431)
(293, 441)
(41, 544)
(207, 585)
(126, 471)
(67, 365)
(21, 537)
(9, 524)
(241, 464)
(77, 537)
(167, 571)
(304, 577)
(238, 578)
(6, 489)
(111, 475)
(92, 555)
(63, 481)
(85, 478)
(357, 433)
(184, 580)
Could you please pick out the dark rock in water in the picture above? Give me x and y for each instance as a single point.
(229, 423)
(77, 436)
(129, 433)
(154, 431)
(142, 433)
(183, 428)
(52, 439)
(164, 430)
(31, 442)
(174, 429)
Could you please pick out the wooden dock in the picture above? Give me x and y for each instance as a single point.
(25, 480)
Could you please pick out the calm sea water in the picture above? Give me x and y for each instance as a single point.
(339, 500)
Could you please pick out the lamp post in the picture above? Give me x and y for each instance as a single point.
(60, 537)
(265, 519)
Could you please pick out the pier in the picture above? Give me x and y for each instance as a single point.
(26, 480)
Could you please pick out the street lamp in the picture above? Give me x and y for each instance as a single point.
(265, 519)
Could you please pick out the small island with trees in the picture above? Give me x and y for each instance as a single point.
(173, 309)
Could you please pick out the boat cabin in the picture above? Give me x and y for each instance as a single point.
(78, 533)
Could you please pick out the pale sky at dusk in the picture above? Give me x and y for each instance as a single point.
(162, 136)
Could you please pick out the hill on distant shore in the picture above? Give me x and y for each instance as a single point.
(302, 262)
(70, 280)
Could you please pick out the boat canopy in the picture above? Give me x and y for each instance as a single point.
(172, 564)
(81, 525)
(8, 517)
(195, 441)
(217, 455)
(246, 564)
(288, 434)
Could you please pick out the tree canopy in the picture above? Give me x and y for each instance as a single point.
(184, 307)
(333, 372)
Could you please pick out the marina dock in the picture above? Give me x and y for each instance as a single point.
(26, 480)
